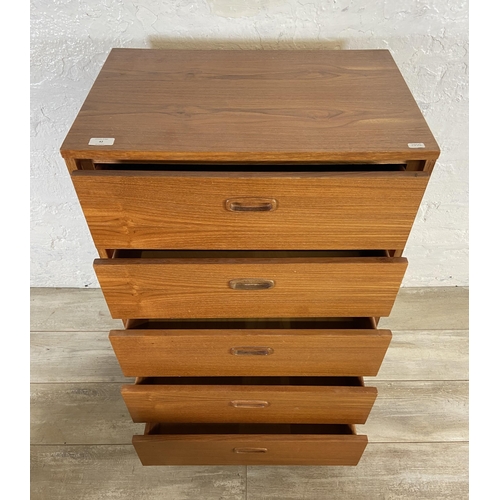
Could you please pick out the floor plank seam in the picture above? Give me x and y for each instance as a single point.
(81, 382)
(246, 482)
(104, 332)
(45, 445)
(366, 381)
(406, 330)
(461, 441)
(385, 380)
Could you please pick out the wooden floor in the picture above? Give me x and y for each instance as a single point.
(81, 430)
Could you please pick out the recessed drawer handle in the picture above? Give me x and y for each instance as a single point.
(251, 284)
(241, 403)
(251, 351)
(251, 204)
(250, 450)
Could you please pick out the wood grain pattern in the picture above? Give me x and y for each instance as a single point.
(171, 210)
(198, 288)
(250, 105)
(309, 352)
(315, 401)
(169, 448)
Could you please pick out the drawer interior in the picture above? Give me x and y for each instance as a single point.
(249, 167)
(303, 325)
(245, 254)
(283, 429)
(255, 381)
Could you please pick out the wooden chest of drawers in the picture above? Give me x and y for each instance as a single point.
(250, 210)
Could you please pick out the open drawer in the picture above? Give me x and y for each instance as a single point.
(312, 400)
(312, 347)
(246, 284)
(257, 444)
(235, 206)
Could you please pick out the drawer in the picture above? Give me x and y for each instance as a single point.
(293, 400)
(270, 284)
(278, 207)
(312, 347)
(257, 444)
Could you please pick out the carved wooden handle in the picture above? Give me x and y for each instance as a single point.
(251, 204)
(250, 450)
(251, 284)
(251, 351)
(242, 403)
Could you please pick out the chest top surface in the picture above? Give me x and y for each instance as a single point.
(219, 105)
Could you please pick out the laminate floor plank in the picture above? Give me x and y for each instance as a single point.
(436, 471)
(115, 472)
(426, 355)
(70, 309)
(96, 414)
(80, 414)
(84, 309)
(73, 357)
(418, 412)
(431, 308)
(89, 357)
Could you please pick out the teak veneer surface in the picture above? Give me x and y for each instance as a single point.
(184, 210)
(170, 445)
(198, 288)
(148, 353)
(218, 402)
(218, 105)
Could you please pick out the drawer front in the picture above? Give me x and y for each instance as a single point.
(210, 288)
(239, 352)
(250, 449)
(319, 400)
(238, 211)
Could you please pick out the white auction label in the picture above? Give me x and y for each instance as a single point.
(102, 141)
(415, 145)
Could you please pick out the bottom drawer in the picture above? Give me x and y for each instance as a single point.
(249, 444)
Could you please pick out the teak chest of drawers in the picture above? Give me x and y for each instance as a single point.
(250, 210)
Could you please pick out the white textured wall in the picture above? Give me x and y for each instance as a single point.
(71, 39)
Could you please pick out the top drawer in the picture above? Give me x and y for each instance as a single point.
(231, 207)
